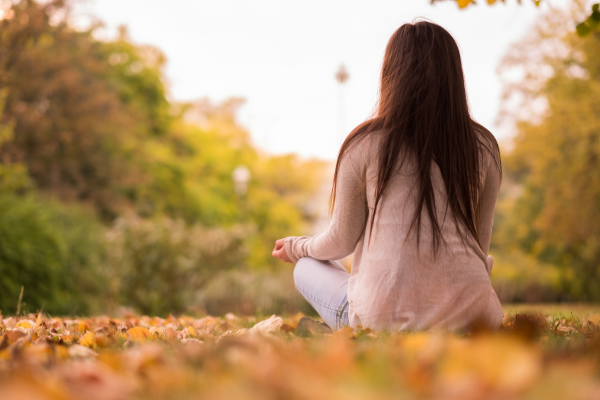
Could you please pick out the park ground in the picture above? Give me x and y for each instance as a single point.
(542, 352)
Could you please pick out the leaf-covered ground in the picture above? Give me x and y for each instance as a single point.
(536, 356)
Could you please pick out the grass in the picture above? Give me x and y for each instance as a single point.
(551, 353)
(581, 310)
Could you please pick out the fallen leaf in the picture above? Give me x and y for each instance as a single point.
(192, 341)
(346, 332)
(594, 320)
(171, 333)
(287, 328)
(138, 334)
(79, 351)
(37, 354)
(9, 323)
(25, 324)
(268, 325)
(66, 337)
(87, 340)
(230, 316)
(506, 364)
(565, 329)
(308, 327)
(12, 335)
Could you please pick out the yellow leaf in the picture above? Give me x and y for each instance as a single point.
(192, 331)
(37, 354)
(463, 3)
(594, 319)
(61, 352)
(6, 354)
(138, 334)
(38, 320)
(25, 324)
(87, 340)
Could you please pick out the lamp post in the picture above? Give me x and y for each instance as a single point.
(341, 77)
(241, 176)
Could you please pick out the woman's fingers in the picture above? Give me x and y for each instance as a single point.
(281, 254)
(277, 253)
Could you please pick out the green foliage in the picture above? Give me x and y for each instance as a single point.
(592, 23)
(79, 108)
(250, 292)
(53, 252)
(158, 266)
(88, 122)
(554, 208)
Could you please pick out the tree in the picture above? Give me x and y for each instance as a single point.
(79, 107)
(88, 122)
(590, 24)
(556, 152)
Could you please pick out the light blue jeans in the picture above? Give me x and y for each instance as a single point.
(324, 285)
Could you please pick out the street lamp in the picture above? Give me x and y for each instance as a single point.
(241, 176)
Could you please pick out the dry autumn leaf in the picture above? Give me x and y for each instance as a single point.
(268, 325)
(25, 324)
(138, 334)
(192, 331)
(88, 340)
(79, 351)
(377, 365)
(594, 320)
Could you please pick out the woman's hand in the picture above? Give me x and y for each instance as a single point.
(279, 251)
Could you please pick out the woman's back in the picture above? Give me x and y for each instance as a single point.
(398, 283)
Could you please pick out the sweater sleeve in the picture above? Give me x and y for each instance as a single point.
(347, 224)
(491, 187)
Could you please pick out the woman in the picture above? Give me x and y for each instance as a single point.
(413, 198)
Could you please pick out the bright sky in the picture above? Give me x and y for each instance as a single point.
(281, 56)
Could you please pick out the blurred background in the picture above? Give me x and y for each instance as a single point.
(152, 152)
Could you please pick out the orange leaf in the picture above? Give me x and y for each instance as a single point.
(88, 340)
(192, 331)
(138, 334)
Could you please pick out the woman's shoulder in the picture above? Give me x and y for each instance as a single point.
(488, 145)
(363, 150)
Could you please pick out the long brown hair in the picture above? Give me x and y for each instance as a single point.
(423, 112)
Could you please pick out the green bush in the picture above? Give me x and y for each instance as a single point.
(158, 266)
(249, 292)
(521, 278)
(52, 251)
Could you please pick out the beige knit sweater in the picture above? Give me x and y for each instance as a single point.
(393, 285)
